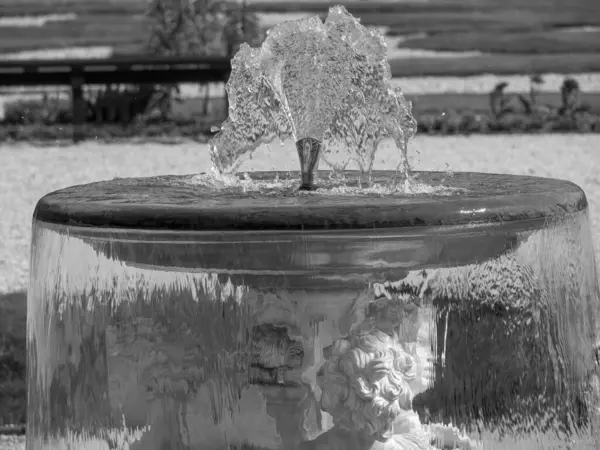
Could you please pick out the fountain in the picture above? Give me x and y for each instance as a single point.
(318, 309)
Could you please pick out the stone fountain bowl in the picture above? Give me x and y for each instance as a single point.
(166, 314)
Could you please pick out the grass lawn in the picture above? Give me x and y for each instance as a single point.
(119, 31)
(93, 7)
(519, 42)
(522, 39)
(502, 64)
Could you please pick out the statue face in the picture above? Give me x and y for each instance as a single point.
(364, 384)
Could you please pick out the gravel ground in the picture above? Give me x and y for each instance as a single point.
(12, 442)
(27, 173)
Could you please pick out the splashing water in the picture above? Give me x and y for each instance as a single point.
(327, 86)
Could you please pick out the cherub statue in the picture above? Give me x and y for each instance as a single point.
(365, 388)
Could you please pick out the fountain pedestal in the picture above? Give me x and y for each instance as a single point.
(176, 281)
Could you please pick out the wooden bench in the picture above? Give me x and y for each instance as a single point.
(117, 70)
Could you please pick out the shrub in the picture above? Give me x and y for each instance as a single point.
(12, 358)
(13, 396)
(51, 122)
(587, 122)
(426, 123)
(472, 122)
(56, 133)
(45, 111)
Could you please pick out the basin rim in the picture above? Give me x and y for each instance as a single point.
(174, 203)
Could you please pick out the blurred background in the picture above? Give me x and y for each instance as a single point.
(469, 66)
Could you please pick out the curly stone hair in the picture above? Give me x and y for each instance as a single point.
(364, 386)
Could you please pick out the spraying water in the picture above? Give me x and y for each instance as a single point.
(325, 85)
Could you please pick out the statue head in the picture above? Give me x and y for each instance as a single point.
(365, 382)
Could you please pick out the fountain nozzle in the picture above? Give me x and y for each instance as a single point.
(309, 150)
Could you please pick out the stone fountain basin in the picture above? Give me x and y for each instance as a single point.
(157, 256)
(163, 221)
